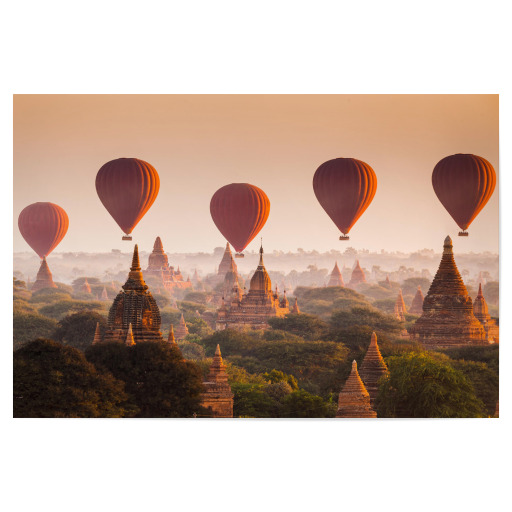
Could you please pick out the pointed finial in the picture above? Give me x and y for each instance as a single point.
(354, 365)
(374, 338)
(135, 260)
(447, 246)
(217, 351)
(480, 294)
(171, 339)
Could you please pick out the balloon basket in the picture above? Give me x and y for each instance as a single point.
(127, 237)
(344, 237)
(463, 233)
(239, 255)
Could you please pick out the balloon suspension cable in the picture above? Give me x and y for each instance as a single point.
(344, 237)
(463, 233)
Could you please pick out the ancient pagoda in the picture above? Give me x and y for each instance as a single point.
(295, 308)
(354, 399)
(336, 278)
(481, 311)
(400, 308)
(44, 278)
(171, 338)
(447, 319)
(254, 308)
(226, 263)
(373, 369)
(161, 272)
(104, 294)
(358, 276)
(387, 283)
(97, 335)
(86, 287)
(231, 289)
(417, 303)
(217, 397)
(134, 306)
(181, 331)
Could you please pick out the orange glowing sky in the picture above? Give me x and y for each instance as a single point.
(199, 143)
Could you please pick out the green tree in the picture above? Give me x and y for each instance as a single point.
(363, 316)
(62, 308)
(30, 326)
(421, 385)
(54, 381)
(276, 376)
(301, 404)
(306, 326)
(159, 382)
(77, 330)
(49, 295)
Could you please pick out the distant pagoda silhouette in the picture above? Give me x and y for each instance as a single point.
(181, 332)
(134, 309)
(44, 278)
(295, 308)
(160, 270)
(336, 278)
(400, 308)
(354, 399)
(254, 308)
(227, 263)
(217, 397)
(447, 319)
(358, 276)
(417, 303)
(373, 369)
(481, 311)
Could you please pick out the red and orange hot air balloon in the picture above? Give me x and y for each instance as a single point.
(43, 226)
(463, 184)
(344, 187)
(239, 211)
(127, 187)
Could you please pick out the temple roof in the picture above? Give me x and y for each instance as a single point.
(44, 277)
(158, 246)
(260, 281)
(336, 278)
(218, 368)
(357, 274)
(417, 303)
(354, 399)
(227, 261)
(135, 280)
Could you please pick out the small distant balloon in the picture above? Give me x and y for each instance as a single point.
(345, 187)
(43, 226)
(239, 211)
(127, 187)
(464, 184)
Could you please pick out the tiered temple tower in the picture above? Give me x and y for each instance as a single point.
(448, 319)
(159, 268)
(400, 308)
(254, 308)
(373, 369)
(336, 278)
(354, 399)
(86, 287)
(44, 278)
(417, 303)
(227, 263)
(481, 311)
(218, 397)
(134, 306)
(182, 329)
(358, 276)
(295, 308)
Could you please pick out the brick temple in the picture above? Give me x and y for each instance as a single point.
(358, 276)
(161, 271)
(134, 310)
(181, 331)
(448, 319)
(373, 369)
(44, 278)
(417, 303)
(217, 397)
(354, 399)
(336, 278)
(481, 311)
(252, 310)
(400, 308)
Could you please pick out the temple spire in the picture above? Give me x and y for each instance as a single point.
(97, 335)
(480, 294)
(354, 399)
(135, 259)
(129, 337)
(171, 338)
(261, 254)
(373, 368)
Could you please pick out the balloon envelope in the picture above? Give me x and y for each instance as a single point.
(345, 187)
(463, 184)
(43, 226)
(239, 211)
(127, 187)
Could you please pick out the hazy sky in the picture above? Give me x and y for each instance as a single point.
(198, 143)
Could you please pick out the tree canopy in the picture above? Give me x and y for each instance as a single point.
(77, 330)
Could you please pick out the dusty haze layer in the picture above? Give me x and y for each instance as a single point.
(199, 143)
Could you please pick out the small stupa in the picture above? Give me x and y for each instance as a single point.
(97, 335)
(227, 263)
(354, 399)
(171, 339)
(358, 276)
(373, 369)
(295, 308)
(44, 278)
(417, 303)
(218, 397)
(86, 287)
(400, 308)
(481, 311)
(104, 294)
(182, 329)
(336, 278)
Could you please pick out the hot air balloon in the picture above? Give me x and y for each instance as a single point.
(463, 184)
(127, 187)
(239, 211)
(344, 187)
(43, 226)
